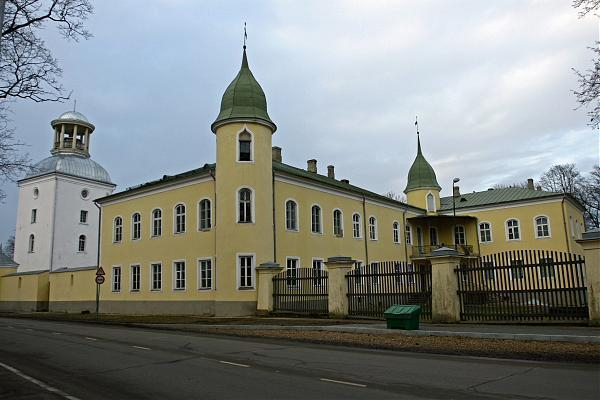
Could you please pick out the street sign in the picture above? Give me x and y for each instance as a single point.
(100, 272)
(99, 279)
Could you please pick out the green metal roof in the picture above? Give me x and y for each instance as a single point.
(498, 196)
(243, 99)
(421, 175)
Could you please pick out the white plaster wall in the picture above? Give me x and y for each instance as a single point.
(42, 229)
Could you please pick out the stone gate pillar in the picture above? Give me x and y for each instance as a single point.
(264, 291)
(590, 242)
(445, 303)
(337, 268)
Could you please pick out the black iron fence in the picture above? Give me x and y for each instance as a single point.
(523, 286)
(301, 291)
(375, 287)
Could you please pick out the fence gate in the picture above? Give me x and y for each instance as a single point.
(523, 286)
(301, 291)
(375, 287)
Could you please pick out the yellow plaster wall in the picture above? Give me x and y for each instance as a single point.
(30, 287)
(74, 285)
(418, 198)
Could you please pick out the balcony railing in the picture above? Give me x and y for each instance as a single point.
(68, 143)
(420, 251)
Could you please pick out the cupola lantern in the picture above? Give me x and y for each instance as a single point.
(72, 132)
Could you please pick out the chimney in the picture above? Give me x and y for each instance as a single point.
(311, 166)
(346, 181)
(276, 151)
(330, 171)
(539, 188)
(456, 191)
(530, 184)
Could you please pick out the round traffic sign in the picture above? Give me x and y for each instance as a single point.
(100, 279)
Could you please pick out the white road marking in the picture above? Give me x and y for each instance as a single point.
(39, 383)
(343, 383)
(141, 347)
(236, 364)
(56, 333)
(90, 338)
(28, 329)
(8, 326)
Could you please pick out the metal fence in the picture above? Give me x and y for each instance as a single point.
(523, 286)
(301, 291)
(375, 287)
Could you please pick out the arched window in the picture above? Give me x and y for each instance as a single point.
(245, 205)
(81, 245)
(179, 218)
(315, 219)
(156, 222)
(430, 202)
(338, 229)
(356, 230)
(512, 229)
(433, 236)
(118, 229)
(136, 226)
(542, 227)
(291, 215)
(205, 214)
(459, 234)
(31, 243)
(372, 228)
(396, 232)
(485, 232)
(245, 146)
(408, 234)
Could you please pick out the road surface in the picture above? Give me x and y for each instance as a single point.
(65, 360)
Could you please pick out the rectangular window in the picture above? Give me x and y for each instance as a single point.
(547, 267)
(135, 278)
(83, 217)
(156, 271)
(245, 271)
(116, 281)
(245, 150)
(433, 236)
(517, 271)
(205, 274)
(459, 234)
(179, 275)
(317, 266)
(291, 269)
(34, 216)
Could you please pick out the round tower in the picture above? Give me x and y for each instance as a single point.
(422, 189)
(244, 185)
(72, 132)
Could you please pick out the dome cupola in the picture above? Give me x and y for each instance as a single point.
(421, 175)
(244, 100)
(72, 132)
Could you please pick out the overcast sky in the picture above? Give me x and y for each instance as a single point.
(489, 80)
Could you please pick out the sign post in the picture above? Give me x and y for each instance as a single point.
(99, 281)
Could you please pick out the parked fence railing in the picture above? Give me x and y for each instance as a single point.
(375, 287)
(522, 286)
(301, 291)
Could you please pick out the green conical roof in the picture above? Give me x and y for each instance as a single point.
(421, 175)
(244, 99)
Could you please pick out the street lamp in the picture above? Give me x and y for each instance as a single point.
(454, 181)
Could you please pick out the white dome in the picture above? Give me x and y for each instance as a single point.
(70, 164)
(73, 115)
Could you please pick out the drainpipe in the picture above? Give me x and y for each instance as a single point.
(53, 224)
(214, 227)
(562, 207)
(99, 231)
(404, 236)
(365, 231)
(274, 224)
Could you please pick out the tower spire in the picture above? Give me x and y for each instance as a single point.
(418, 136)
(245, 35)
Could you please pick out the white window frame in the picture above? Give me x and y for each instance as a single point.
(318, 282)
(296, 213)
(479, 232)
(31, 244)
(252, 205)
(114, 281)
(535, 227)
(464, 233)
(237, 145)
(210, 214)
(373, 234)
(320, 224)
(433, 208)
(115, 229)
(341, 233)
(408, 234)
(132, 268)
(153, 220)
(508, 229)
(185, 208)
(396, 232)
(79, 250)
(252, 271)
(357, 224)
(133, 223)
(175, 288)
(296, 281)
(199, 262)
(152, 281)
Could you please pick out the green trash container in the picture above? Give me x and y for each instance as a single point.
(401, 316)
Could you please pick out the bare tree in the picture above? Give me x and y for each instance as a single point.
(591, 197)
(514, 185)
(12, 161)
(588, 93)
(395, 196)
(9, 247)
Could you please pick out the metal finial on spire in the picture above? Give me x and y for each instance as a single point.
(417, 125)
(245, 35)
(75, 105)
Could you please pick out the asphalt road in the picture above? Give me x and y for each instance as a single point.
(63, 360)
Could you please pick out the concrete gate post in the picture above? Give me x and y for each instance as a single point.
(264, 292)
(337, 298)
(590, 242)
(445, 303)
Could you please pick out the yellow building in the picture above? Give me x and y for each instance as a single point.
(190, 243)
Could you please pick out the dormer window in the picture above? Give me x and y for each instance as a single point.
(245, 146)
